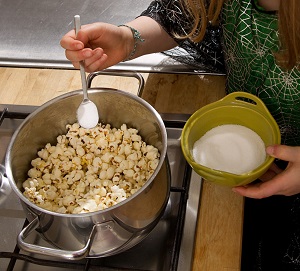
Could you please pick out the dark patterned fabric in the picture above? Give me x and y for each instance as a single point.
(207, 55)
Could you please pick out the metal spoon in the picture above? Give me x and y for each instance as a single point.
(87, 112)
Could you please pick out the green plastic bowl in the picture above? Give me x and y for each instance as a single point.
(236, 108)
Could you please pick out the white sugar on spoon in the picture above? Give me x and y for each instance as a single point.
(87, 112)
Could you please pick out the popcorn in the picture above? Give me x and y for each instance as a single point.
(90, 169)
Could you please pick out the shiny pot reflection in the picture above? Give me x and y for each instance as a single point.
(100, 233)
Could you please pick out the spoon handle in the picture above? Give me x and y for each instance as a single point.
(81, 63)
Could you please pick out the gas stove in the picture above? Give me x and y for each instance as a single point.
(169, 246)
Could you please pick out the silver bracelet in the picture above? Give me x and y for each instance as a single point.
(137, 37)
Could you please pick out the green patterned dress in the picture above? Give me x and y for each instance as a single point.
(250, 37)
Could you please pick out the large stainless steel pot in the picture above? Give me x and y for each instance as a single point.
(99, 233)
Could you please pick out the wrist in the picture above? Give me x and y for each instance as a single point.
(135, 40)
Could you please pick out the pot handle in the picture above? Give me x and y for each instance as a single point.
(113, 72)
(245, 99)
(65, 254)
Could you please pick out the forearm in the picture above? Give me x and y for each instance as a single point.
(156, 39)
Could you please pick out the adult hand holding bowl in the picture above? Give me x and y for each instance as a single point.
(238, 108)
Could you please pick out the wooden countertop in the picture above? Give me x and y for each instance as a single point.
(219, 229)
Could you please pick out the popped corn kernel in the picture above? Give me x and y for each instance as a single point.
(90, 169)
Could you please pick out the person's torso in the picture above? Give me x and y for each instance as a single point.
(250, 37)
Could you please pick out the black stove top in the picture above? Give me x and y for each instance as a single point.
(169, 246)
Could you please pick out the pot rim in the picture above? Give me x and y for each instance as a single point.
(163, 153)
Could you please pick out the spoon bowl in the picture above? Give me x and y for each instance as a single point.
(87, 112)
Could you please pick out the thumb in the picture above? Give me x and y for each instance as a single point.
(283, 152)
(82, 36)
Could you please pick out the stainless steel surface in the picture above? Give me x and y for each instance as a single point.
(50, 251)
(5, 188)
(111, 72)
(152, 253)
(31, 31)
(117, 228)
